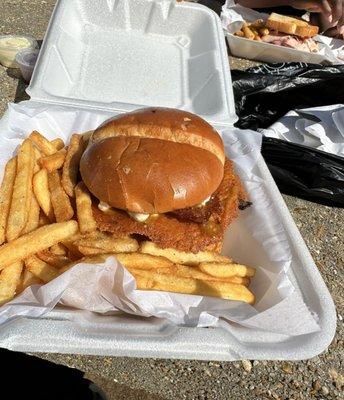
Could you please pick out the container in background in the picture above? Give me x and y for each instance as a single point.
(26, 59)
(10, 45)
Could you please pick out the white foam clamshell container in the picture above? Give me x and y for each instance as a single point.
(119, 56)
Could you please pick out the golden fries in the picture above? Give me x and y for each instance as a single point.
(239, 33)
(42, 143)
(257, 24)
(71, 165)
(264, 31)
(35, 241)
(149, 280)
(222, 270)
(253, 30)
(143, 261)
(247, 32)
(181, 257)
(58, 143)
(186, 271)
(9, 280)
(33, 218)
(53, 162)
(108, 244)
(84, 209)
(42, 193)
(63, 209)
(41, 269)
(6, 195)
(21, 195)
(55, 260)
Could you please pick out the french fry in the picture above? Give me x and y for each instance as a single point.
(71, 165)
(254, 31)
(259, 23)
(33, 218)
(221, 270)
(34, 209)
(63, 210)
(149, 280)
(38, 155)
(42, 193)
(143, 261)
(89, 251)
(58, 143)
(84, 209)
(109, 244)
(264, 31)
(27, 279)
(247, 32)
(55, 260)
(9, 280)
(42, 143)
(53, 162)
(239, 34)
(22, 191)
(6, 195)
(59, 249)
(35, 241)
(181, 257)
(193, 272)
(41, 269)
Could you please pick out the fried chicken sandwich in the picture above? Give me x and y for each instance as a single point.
(161, 174)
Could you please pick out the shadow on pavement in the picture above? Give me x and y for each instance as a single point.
(116, 391)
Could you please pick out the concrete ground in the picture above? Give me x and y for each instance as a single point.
(124, 378)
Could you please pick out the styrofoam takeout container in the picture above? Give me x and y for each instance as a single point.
(271, 53)
(125, 54)
(330, 49)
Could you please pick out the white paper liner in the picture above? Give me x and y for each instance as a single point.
(257, 239)
(234, 15)
(321, 128)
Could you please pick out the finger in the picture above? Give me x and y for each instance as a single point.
(337, 10)
(341, 20)
(326, 7)
(332, 32)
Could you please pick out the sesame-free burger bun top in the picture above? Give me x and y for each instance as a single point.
(153, 160)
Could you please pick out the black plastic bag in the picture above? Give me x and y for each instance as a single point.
(266, 93)
(304, 172)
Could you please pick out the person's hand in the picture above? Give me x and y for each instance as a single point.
(327, 7)
(331, 23)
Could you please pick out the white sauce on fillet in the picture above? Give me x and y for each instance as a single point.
(141, 217)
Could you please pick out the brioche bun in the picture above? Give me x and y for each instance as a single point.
(154, 160)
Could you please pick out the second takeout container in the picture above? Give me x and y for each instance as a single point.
(118, 56)
(271, 53)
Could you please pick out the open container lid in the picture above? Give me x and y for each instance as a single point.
(121, 55)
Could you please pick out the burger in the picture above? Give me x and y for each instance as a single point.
(161, 174)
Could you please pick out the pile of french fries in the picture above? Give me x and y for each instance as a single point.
(47, 226)
(253, 30)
